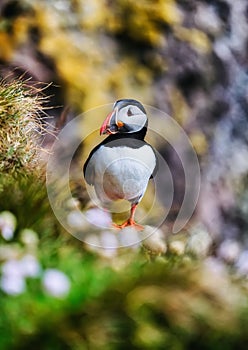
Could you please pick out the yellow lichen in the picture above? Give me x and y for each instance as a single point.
(143, 20)
(6, 46)
(196, 38)
(180, 108)
(199, 142)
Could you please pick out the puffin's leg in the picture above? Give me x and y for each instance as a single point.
(130, 221)
(132, 212)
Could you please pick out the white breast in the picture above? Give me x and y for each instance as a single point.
(122, 172)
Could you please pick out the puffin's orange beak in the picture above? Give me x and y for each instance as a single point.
(109, 126)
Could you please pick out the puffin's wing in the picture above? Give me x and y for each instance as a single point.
(155, 170)
(89, 167)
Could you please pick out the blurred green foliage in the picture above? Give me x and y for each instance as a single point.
(126, 301)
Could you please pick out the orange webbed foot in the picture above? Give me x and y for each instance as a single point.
(131, 223)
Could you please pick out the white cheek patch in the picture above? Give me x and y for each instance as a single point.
(136, 121)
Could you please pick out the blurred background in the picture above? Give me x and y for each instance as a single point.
(61, 58)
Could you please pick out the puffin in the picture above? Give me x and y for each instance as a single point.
(121, 166)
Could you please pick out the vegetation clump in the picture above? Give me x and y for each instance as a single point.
(20, 125)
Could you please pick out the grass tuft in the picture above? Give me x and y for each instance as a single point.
(21, 108)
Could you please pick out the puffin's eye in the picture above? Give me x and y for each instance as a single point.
(129, 112)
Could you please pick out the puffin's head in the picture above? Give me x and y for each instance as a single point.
(128, 116)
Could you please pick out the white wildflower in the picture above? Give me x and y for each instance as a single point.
(30, 266)
(12, 267)
(12, 281)
(77, 220)
(93, 242)
(12, 284)
(229, 250)
(7, 224)
(56, 283)
(29, 237)
(129, 236)
(108, 239)
(242, 263)
(177, 247)
(199, 242)
(155, 243)
(14, 272)
(109, 244)
(99, 217)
